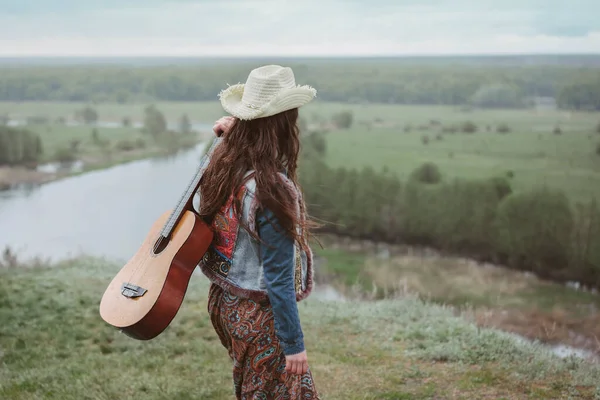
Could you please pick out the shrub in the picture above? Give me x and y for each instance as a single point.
(503, 128)
(140, 143)
(598, 128)
(65, 155)
(510, 174)
(557, 130)
(343, 120)
(533, 231)
(407, 128)
(439, 137)
(125, 145)
(428, 173)
(598, 149)
(501, 185)
(425, 139)
(469, 127)
(126, 122)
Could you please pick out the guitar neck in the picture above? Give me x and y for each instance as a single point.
(185, 202)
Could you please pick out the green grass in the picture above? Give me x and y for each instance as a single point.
(199, 112)
(55, 137)
(53, 345)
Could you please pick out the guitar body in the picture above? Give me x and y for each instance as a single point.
(155, 284)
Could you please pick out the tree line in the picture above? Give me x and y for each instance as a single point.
(377, 81)
(538, 230)
(19, 146)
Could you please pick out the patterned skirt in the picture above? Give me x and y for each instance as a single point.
(246, 329)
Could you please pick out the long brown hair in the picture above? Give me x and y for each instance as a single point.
(268, 146)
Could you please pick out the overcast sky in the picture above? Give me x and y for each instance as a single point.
(300, 27)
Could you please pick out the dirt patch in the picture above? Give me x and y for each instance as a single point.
(12, 176)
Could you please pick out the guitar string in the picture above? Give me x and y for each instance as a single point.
(179, 209)
(169, 224)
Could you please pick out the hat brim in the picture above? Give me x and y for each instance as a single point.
(284, 100)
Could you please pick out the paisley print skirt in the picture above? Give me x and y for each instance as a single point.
(246, 329)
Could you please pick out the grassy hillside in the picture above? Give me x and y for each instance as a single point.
(53, 345)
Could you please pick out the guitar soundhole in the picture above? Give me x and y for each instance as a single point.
(160, 244)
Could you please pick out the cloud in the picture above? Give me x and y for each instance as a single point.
(325, 27)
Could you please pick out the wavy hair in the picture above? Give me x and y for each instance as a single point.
(268, 146)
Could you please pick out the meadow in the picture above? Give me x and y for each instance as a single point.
(54, 345)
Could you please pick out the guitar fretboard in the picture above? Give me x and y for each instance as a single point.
(188, 193)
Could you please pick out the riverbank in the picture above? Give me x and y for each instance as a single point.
(85, 161)
(54, 345)
(488, 295)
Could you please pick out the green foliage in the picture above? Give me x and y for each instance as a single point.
(503, 128)
(88, 115)
(396, 81)
(469, 127)
(557, 130)
(581, 93)
(598, 128)
(19, 146)
(155, 123)
(125, 145)
(315, 143)
(126, 122)
(65, 155)
(343, 120)
(428, 173)
(533, 231)
(498, 95)
(598, 149)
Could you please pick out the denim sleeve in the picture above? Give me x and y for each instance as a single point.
(277, 253)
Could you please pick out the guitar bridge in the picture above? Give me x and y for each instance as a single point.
(132, 291)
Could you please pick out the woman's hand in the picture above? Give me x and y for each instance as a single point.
(223, 126)
(297, 363)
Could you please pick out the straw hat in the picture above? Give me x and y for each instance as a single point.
(268, 90)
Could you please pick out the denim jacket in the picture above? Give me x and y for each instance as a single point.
(276, 271)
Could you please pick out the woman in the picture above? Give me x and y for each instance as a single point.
(259, 263)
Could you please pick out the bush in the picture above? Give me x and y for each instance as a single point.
(343, 120)
(126, 122)
(503, 128)
(557, 130)
(598, 128)
(407, 128)
(501, 186)
(425, 139)
(65, 155)
(428, 173)
(19, 146)
(125, 145)
(533, 231)
(469, 127)
(439, 137)
(598, 149)
(140, 143)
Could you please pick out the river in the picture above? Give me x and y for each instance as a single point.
(105, 213)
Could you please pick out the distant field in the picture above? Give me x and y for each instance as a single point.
(531, 151)
(113, 112)
(534, 154)
(55, 137)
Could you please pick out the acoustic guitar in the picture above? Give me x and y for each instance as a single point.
(146, 294)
